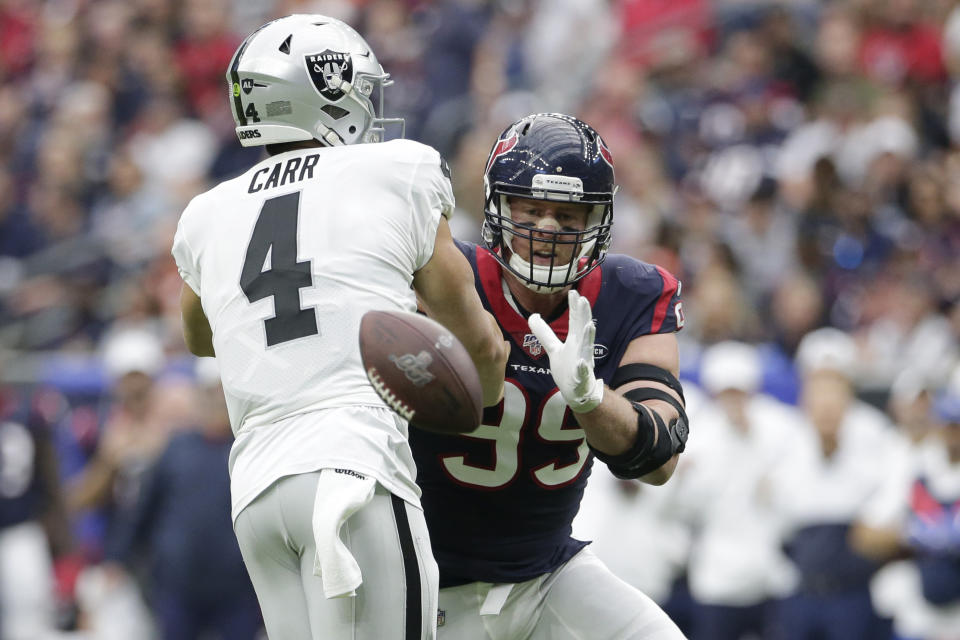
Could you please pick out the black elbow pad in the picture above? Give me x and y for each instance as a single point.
(644, 456)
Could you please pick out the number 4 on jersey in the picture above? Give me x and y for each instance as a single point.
(275, 235)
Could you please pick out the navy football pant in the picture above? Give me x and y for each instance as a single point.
(838, 616)
(179, 618)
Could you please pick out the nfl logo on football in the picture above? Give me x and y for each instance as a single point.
(532, 346)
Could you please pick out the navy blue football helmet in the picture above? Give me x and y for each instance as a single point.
(556, 157)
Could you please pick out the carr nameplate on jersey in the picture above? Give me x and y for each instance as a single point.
(328, 70)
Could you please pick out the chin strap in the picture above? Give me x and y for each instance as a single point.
(328, 136)
(521, 266)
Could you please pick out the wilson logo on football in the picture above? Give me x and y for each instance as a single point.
(414, 367)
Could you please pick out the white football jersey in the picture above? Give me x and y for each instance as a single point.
(286, 259)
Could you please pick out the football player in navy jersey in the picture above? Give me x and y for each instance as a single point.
(33, 519)
(592, 374)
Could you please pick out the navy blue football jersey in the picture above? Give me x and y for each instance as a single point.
(23, 435)
(500, 501)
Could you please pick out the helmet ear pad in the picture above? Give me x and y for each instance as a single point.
(551, 157)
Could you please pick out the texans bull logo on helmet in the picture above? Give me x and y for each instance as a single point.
(327, 70)
(504, 145)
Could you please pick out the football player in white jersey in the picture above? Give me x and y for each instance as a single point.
(280, 264)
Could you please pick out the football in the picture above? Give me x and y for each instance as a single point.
(421, 371)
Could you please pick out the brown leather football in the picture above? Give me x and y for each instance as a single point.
(421, 371)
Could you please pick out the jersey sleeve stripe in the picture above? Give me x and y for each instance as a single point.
(663, 302)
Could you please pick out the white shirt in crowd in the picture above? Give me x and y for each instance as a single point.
(812, 488)
(724, 485)
(896, 589)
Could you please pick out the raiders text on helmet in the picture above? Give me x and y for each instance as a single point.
(306, 77)
(549, 156)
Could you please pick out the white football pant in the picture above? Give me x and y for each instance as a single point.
(397, 599)
(582, 600)
(26, 582)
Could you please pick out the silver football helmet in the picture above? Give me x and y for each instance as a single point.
(306, 77)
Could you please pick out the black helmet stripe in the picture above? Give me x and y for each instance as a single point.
(235, 84)
(235, 75)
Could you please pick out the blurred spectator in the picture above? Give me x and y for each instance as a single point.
(717, 307)
(19, 235)
(737, 569)
(762, 238)
(796, 309)
(917, 516)
(197, 584)
(563, 75)
(900, 44)
(661, 33)
(110, 607)
(33, 521)
(131, 437)
(203, 53)
(792, 64)
(911, 404)
(909, 329)
(614, 514)
(17, 26)
(841, 460)
(173, 152)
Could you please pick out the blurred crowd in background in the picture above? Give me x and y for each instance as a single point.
(796, 165)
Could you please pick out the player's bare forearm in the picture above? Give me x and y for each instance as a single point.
(196, 328)
(612, 426)
(445, 290)
(492, 362)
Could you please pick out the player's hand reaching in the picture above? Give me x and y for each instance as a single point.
(571, 362)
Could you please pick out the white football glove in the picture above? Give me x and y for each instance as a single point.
(571, 362)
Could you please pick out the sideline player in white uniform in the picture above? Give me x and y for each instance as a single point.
(281, 263)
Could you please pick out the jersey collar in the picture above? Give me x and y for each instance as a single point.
(491, 273)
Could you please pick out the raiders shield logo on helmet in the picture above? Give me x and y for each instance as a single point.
(327, 70)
